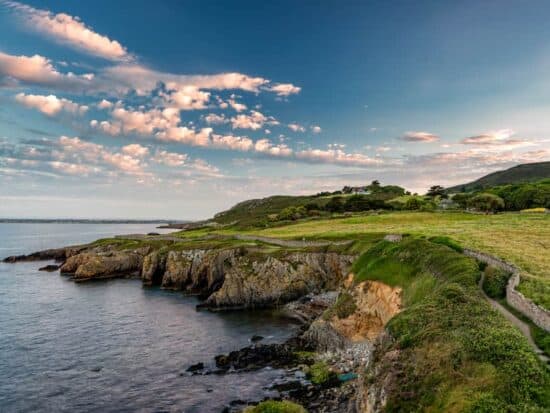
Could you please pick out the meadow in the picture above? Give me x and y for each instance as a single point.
(521, 239)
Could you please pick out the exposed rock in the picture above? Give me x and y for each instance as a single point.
(322, 336)
(153, 268)
(307, 308)
(49, 268)
(256, 338)
(195, 367)
(58, 254)
(252, 281)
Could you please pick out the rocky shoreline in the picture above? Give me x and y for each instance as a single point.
(323, 363)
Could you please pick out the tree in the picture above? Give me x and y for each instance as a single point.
(487, 203)
(436, 190)
(335, 204)
(376, 182)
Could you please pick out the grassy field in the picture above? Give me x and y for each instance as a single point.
(522, 239)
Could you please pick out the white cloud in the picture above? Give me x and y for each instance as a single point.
(170, 158)
(39, 70)
(214, 119)
(239, 107)
(338, 157)
(296, 128)
(253, 121)
(284, 89)
(69, 30)
(420, 137)
(237, 143)
(267, 147)
(50, 105)
(187, 97)
(104, 104)
(136, 150)
(316, 129)
(186, 135)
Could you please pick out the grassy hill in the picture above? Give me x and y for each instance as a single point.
(529, 172)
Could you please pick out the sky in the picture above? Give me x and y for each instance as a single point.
(180, 109)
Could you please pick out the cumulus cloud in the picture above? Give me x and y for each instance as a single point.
(38, 70)
(104, 104)
(136, 150)
(170, 158)
(420, 137)
(214, 119)
(337, 156)
(186, 135)
(255, 120)
(186, 97)
(316, 129)
(69, 30)
(50, 105)
(239, 107)
(296, 128)
(284, 89)
(265, 146)
(237, 143)
(146, 122)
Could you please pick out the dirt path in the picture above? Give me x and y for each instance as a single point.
(521, 325)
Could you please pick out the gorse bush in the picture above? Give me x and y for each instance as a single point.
(455, 353)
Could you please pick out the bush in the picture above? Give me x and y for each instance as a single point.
(342, 308)
(292, 213)
(495, 282)
(319, 373)
(335, 204)
(274, 406)
(486, 202)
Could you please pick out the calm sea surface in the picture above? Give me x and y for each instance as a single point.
(112, 346)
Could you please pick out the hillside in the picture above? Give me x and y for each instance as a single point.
(529, 172)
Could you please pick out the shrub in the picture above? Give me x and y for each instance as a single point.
(319, 373)
(335, 204)
(312, 206)
(495, 282)
(486, 202)
(292, 213)
(342, 308)
(274, 406)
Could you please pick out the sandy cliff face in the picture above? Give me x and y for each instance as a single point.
(376, 304)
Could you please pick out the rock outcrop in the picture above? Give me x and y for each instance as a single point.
(224, 278)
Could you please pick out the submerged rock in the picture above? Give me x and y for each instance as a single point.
(49, 268)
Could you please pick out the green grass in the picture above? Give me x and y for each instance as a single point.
(455, 352)
(274, 406)
(522, 239)
(495, 282)
(320, 373)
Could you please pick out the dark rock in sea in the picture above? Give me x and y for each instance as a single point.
(256, 338)
(195, 367)
(49, 268)
(96, 369)
(153, 233)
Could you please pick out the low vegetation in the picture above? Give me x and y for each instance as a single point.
(495, 282)
(274, 406)
(455, 352)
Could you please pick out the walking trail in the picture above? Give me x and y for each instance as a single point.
(521, 325)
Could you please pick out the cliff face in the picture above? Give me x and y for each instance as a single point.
(225, 278)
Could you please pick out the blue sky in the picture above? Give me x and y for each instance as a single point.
(179, 109)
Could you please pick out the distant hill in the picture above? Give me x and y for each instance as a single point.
(528, 172)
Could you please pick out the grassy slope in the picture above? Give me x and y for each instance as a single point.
(522, 239)
(529, 172)
(455, 352)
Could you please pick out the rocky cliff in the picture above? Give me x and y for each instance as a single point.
(224, 277)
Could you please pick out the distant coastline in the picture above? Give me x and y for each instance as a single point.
(88, 221)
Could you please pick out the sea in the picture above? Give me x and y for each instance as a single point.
(114, 346)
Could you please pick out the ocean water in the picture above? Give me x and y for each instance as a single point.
(113, 346)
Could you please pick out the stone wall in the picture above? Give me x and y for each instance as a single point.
(539, 315)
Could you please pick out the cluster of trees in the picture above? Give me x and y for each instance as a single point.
(514, 197)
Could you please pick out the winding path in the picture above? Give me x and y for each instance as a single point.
(521, 325)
